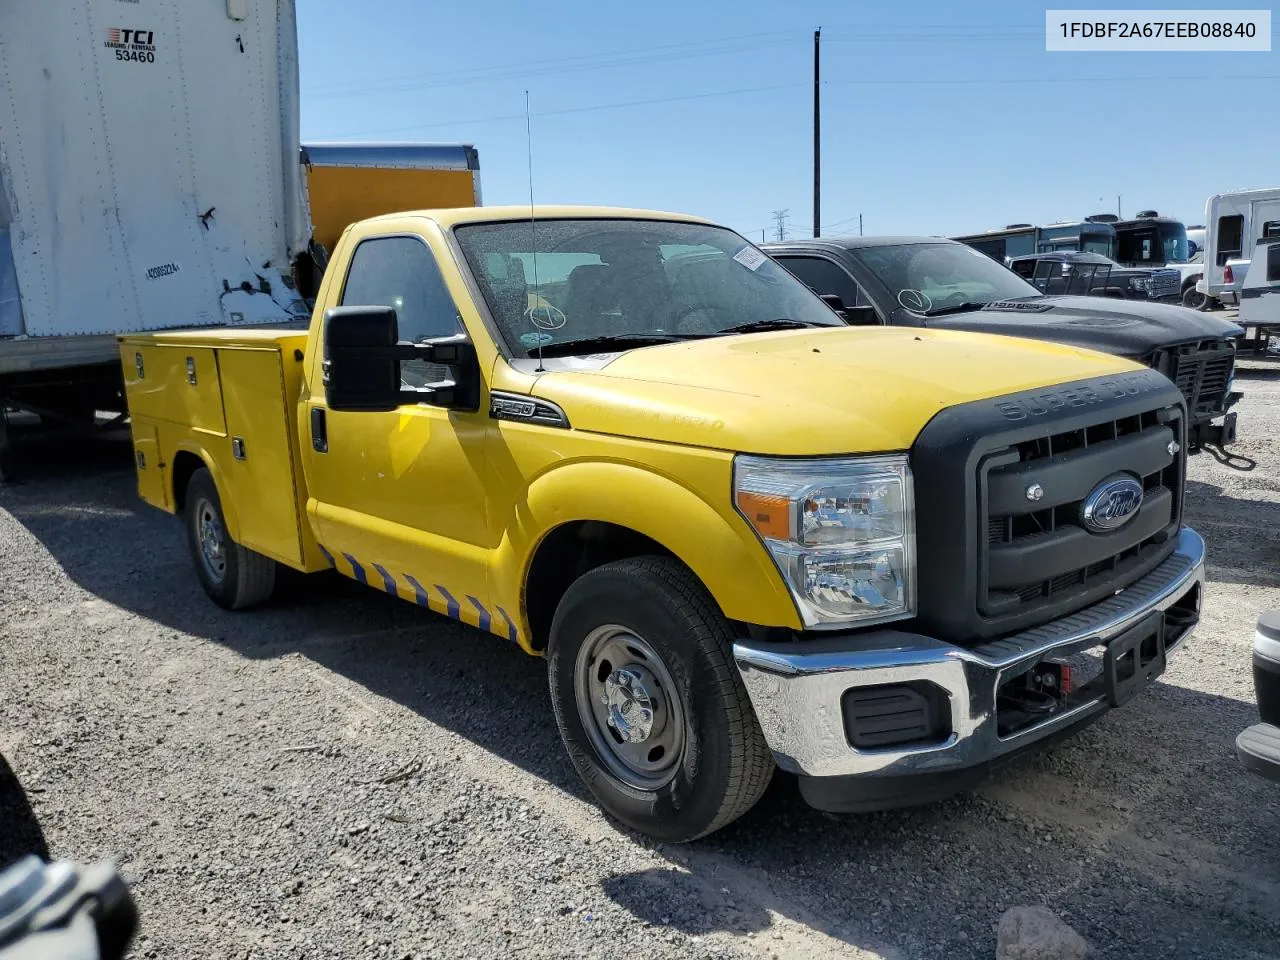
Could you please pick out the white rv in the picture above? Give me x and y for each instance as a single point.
(149, 178)
(1235, 223)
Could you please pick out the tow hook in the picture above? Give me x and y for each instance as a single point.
(1037, 694)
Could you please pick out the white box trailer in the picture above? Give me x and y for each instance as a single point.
(149, 179)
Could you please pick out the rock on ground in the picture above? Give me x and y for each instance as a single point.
(1036, 933)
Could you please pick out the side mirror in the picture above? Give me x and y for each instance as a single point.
(861, 316)
(363, 353)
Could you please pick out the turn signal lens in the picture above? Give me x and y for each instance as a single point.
(769, 514)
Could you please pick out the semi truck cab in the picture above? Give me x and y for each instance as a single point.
(742, 534)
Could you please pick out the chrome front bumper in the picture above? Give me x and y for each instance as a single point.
(797, 688)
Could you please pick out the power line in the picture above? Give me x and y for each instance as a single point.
(943, 38)
(914, 31)
(587, 109)
(948, 81)
(580, 63)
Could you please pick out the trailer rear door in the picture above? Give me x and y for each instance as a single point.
(150, 163)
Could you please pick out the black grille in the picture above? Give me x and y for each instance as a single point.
(990, 561)
(1165, 284)
(1201, 372)
(1038, 551)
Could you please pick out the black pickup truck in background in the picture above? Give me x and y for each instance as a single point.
(935, 282)
(1092, 274)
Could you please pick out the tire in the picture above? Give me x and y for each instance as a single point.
(672, 638)
(1194, 299)
(242, 578)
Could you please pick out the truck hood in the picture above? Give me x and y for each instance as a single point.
(806, 392)
(1129, 328)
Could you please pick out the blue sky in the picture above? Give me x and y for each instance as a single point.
(936, 117)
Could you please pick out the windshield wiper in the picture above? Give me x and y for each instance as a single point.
(612, 342)
(958, 308)
(781, 323)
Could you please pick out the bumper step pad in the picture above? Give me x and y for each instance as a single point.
(1258, 748)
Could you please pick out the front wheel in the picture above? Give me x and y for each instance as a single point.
(649, 702)
(233, 576)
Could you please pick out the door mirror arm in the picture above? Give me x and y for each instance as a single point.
(462, 392)
(361, 370)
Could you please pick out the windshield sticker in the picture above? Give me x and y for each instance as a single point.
(750, 257)
(536, 339)
(546, 317)
(917, 301)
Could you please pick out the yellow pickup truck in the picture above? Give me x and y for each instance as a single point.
(742, 534)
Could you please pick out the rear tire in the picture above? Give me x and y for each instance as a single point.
(233, 576)
(1194, 299)
(676, 752)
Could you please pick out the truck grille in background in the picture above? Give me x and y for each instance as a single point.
(1036, 555)
(1165, 283)
(1201, 372)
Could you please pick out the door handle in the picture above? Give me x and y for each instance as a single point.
(319, 431)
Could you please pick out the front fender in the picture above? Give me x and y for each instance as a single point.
(716, 544)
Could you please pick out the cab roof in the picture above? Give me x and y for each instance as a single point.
(459, 215)
(855, 243)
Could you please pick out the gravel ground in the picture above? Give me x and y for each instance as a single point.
(342, 775)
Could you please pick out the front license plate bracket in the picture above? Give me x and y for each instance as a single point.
(1135, 659)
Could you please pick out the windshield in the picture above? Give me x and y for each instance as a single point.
(1086, 237)
(1154, 245)
(1173, 238)
(928, 277)
(1098, 238)
(627, 278)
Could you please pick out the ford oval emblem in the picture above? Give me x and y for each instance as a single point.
(1111, 503)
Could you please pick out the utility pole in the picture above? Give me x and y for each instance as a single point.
(1118, 213)
(817, 138)
(859, 224)
(780, 224)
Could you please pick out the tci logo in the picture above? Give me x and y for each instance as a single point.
(119, 36)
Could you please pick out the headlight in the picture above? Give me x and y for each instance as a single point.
(1139, 283)
(841, 531)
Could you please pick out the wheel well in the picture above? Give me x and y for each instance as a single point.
(184, 465)
(565, 554)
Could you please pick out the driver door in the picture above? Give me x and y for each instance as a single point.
(399, 496)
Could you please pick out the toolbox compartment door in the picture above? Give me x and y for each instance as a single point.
(259, 467)
(177, 384)
(151, 472)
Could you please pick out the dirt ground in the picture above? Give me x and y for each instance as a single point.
(343, 775)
